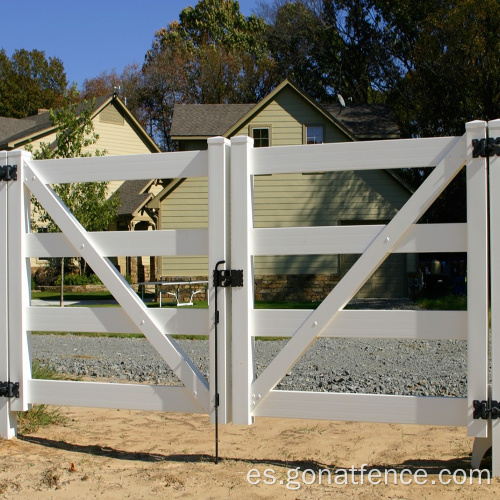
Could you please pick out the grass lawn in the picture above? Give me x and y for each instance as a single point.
(71, 295)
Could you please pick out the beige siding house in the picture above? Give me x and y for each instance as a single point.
(119, 134)
(287, 116)
(118, 130)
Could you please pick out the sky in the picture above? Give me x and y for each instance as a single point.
(90, 36)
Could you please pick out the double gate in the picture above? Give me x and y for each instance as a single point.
(232, 393)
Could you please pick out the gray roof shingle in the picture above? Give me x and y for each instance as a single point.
(130, 196)
(206, 120)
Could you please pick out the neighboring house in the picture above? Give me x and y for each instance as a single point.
(288, 116)
(118, 130)
(119, 134)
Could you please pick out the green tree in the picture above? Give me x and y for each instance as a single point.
(294, 36)
(29, 81)
(329, 47)
(88, 201)
(449, 53)
(213, 54)
(75, 134)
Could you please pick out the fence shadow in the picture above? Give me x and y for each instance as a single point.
(432, 467)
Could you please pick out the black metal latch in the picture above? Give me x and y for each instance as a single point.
(9, 389)
(485, 147)
(483, 409)
(228, 277)
(8, 173)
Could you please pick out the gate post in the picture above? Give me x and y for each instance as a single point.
(19, 282)
(219, 250)
(241, 258)
(477, 279)
(494, 186)
(8, 421)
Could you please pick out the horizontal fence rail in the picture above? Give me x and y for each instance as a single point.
(335, 157)
(328, 240)
(421, 410)
(187, 242)
(109, 395)
(114, 320)
(118, 168)
(383, 324)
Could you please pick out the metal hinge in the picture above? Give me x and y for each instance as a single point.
(8, 173)
(228, 277)
(485, 147)
(9, 389)
(485, 409)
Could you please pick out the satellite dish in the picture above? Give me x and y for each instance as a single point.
(341, 100)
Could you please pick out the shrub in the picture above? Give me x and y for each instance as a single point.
(79, 279)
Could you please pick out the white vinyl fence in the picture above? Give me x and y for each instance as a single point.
(231, 237)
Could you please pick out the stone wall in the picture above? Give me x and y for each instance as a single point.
(270, 288)
(298, 287)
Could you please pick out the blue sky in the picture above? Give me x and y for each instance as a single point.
(90, 36)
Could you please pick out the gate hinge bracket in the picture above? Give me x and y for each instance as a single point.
(9, 389)
(8, 173)
(485, 409)
(228, 277)
(485, 147)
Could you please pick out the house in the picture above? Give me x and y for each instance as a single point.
(118, 130)
(288, 116)
(119, 134)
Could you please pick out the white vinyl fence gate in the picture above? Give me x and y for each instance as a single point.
(231, 237)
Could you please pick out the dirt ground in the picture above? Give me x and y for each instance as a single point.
(117, 454)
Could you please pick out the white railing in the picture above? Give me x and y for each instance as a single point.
(231, 237)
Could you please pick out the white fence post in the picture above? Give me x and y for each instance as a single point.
(494, 179)
(477, 279)
(219, 250)
(242, 258)
(19, 285)
(7, 417)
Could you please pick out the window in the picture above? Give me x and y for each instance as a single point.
(314, 134)
(261, 137)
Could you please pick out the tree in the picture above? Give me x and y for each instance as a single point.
(449, 55)
(104, 84)
(294, 33)
(330, 47)
(449, 52)
(87, 201)
(213, 54)
(28, 82)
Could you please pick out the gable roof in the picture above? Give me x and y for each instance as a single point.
(15, 132)
(206, 120)
(201, 121)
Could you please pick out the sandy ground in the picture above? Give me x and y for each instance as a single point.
(117, 454)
